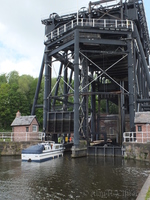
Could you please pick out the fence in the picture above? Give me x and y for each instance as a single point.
(105, 151)
(138, 137)
(123, 25)
(21, 136)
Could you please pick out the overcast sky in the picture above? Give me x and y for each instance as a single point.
(22, 34)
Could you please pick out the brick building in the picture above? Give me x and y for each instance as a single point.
(142, 126)
(25, 128)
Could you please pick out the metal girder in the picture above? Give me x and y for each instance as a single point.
(60, 48)
(62, 100)
(76, 89)
(47, 89)
(115, 32)
(131, 81)
(103, 41)
(99, 2)
(60, 58)
(143, 100)
(104, 52)
(38, 87)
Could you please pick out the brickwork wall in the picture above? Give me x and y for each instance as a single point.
(145, 130)
(21, 135)
(137, 151)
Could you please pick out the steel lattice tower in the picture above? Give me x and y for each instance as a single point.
(102, 53)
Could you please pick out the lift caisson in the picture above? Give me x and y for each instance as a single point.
(99, 53)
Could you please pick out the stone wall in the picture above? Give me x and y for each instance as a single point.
(137, 151)
(14, 148)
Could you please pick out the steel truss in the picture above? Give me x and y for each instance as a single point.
(102, 53)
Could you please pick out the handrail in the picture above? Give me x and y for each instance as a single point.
(123, 25)
(138, 137)
(21, 136)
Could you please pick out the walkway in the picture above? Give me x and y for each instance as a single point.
(144, 190)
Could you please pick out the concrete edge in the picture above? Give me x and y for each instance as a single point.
(144, 190)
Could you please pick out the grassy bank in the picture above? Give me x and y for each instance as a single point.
(148, 194)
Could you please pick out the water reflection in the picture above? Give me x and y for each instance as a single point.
(88, 178)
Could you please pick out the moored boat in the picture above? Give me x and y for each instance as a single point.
(42, 152)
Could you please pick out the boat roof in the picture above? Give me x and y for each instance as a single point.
(35, 149)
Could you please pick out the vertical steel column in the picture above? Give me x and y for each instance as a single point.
(98, 114)
(139, 82)
(90, 13)
(143, 78)
(131, 81)
(119, 120)
(76, 88)
(122, 104)
(47, 88)
(121, 5)
(140, 76)
(84, 72)
(135, 74)
(93, 107)
(65, 85)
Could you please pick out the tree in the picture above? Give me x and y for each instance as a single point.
(4, 105)
(3, 79)
(13, 77)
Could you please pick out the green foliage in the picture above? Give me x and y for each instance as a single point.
(113, 108)
(17, 93)
(4, 104)
(148, 194)
(3, 79)
(13, 77)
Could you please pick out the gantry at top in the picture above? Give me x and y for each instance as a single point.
(103, 24)
(103, 51)
(102, 17)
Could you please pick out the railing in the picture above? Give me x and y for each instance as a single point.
(123, 25)
(138, 137)
(21, 136)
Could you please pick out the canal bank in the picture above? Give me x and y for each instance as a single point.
(144, 189)
(141, 152)
(14, 148)
(137, 151)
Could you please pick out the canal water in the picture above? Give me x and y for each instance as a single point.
(88, 178)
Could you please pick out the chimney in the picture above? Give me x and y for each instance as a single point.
(18, 114)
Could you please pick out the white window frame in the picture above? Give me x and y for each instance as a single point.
(34, 128)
